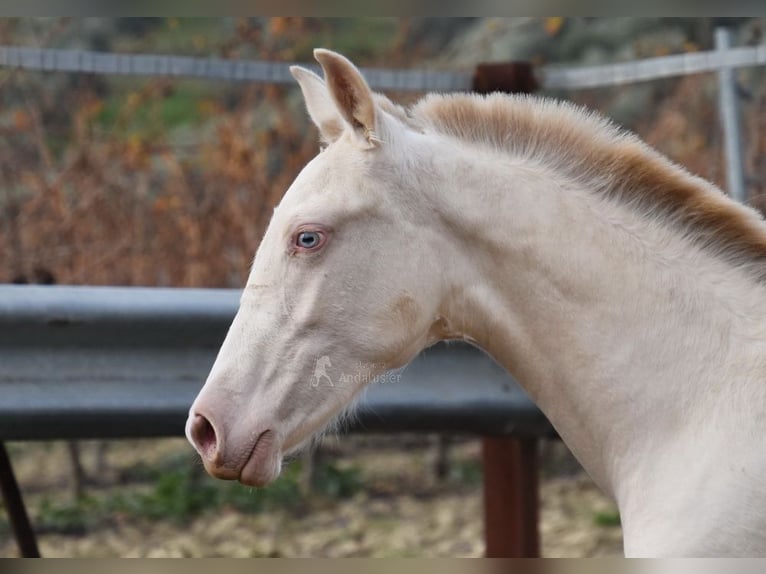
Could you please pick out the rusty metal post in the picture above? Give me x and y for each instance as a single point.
(14, 506)
(511, 497)
(511, 489)
(508, 77)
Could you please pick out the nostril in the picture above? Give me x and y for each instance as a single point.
(203, 435)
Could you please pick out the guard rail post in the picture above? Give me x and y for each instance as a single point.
(14, 505)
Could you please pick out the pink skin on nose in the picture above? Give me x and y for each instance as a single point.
(260, 467)
(257, 467)
(203, 437)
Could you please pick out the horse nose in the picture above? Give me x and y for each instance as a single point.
(209, 443)
(203, 436)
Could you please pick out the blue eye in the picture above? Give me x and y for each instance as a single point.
(308, 239)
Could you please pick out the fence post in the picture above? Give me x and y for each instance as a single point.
(511, 497)
(728, 104)
(511, 485)
(14, 505)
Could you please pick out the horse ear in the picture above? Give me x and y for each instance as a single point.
(352, 95)
(320, 105)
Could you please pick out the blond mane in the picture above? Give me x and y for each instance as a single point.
(590, 149)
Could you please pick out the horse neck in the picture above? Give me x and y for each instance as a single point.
(628, 337)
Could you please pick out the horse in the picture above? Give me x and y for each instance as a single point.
(626, 295)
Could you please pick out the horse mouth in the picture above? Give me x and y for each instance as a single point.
(264, 462)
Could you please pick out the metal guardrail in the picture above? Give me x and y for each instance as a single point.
(96, 362)
(107, 362)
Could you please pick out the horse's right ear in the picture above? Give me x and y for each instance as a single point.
(319, 103)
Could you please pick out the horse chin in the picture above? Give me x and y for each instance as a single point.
(265, 462)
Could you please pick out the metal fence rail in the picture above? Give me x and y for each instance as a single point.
(108, 362)
(555, 77)
(551, 77)
(49, 60)
(90, 362)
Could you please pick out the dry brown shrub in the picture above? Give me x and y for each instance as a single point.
(132, 208)
(136, 207)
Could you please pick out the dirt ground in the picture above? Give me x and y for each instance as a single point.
(401, 509)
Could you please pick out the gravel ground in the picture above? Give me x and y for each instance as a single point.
(402, 509)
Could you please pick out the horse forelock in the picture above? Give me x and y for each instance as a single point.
(593, 151)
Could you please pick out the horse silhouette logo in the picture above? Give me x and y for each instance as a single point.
(320, 372)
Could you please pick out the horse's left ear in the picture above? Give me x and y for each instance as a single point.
(319, 104)
(351, 93)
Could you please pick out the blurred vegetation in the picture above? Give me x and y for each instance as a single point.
(466, 472)
(170, 484)
(177, 489)
(609, 518)
(180, 491)
(157, 181)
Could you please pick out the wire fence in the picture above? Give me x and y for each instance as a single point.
(551, 77)
(723, 60)
(41, 59)
(555, 77)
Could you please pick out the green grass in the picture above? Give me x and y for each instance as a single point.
(68, 518)
(466, 472)
(178, 492)
(180, 107)
(607, 518)
(335, 482)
